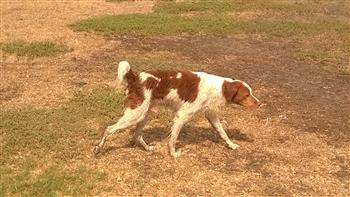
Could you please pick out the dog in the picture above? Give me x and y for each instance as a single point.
(184, 91)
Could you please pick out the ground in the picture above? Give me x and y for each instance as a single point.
(297, 144)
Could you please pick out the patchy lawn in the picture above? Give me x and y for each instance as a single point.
(46, 141)
(33, 49)
(53, 110)
(322, 30)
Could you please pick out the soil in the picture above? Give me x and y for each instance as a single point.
(297, 144)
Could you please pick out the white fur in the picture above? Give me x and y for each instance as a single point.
(123, 69)
(144, 76)
(210, 91)
(179, 75)
(250, 90)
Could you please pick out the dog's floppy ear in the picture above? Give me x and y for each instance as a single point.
(230, 90)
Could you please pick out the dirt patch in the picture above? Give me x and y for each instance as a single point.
(9, 92)
(49, 81)
(207, 166)
(300, 93)
(298, 144)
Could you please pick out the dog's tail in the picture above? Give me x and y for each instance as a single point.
(123, 69)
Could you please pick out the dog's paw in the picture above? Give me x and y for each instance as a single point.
(150, 148)
(109, 128)
(233, 146)
(175, 153)
(96, 150)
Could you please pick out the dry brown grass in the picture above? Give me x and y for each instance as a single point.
(46, 80)
(298, 144)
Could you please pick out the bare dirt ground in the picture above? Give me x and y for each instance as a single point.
(298, 144)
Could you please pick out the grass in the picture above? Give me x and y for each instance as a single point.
(118, 0)
(320, 55)
(38, 145)
(34, 136)
(158, 24)
(33, 49)
(51, 182)
(152, 24)
(323, 56)
(220, 6)
(43, 151)
(167, 20)
(302, 21)
(37, 128)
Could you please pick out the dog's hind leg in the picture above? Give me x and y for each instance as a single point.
(216, 124)
(131, 117)
(124, 122)
(138, 135)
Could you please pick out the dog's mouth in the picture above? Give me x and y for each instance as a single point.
(251, 106)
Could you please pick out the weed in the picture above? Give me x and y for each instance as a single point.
(50, 182)
(319, 55)
(33, 49)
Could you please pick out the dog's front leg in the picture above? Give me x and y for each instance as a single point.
(180, 120)
(216, 124)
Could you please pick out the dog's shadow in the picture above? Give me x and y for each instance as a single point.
(194, 135)
(188, 135)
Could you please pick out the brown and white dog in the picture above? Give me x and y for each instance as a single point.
(186, 92)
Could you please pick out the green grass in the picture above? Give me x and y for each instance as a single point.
(308, 7)
(151, 24)
(48, 140)
(118, 0)
(56, 130)
(33, 49)
(219, 6)
(320, 55)
(50, 182)
(167, 20)
(170, 7)
(162, 24)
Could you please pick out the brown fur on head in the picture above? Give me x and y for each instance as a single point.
(239, 93)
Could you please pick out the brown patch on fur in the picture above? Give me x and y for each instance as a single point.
(229, 90)
(186, 85)
(150, 83)
(167, 79)
(235, 91)
(242, 94)
(135, 95)
(238, 93)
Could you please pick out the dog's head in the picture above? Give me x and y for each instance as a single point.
(240, 93)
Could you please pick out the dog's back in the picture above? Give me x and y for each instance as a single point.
(172, 88)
